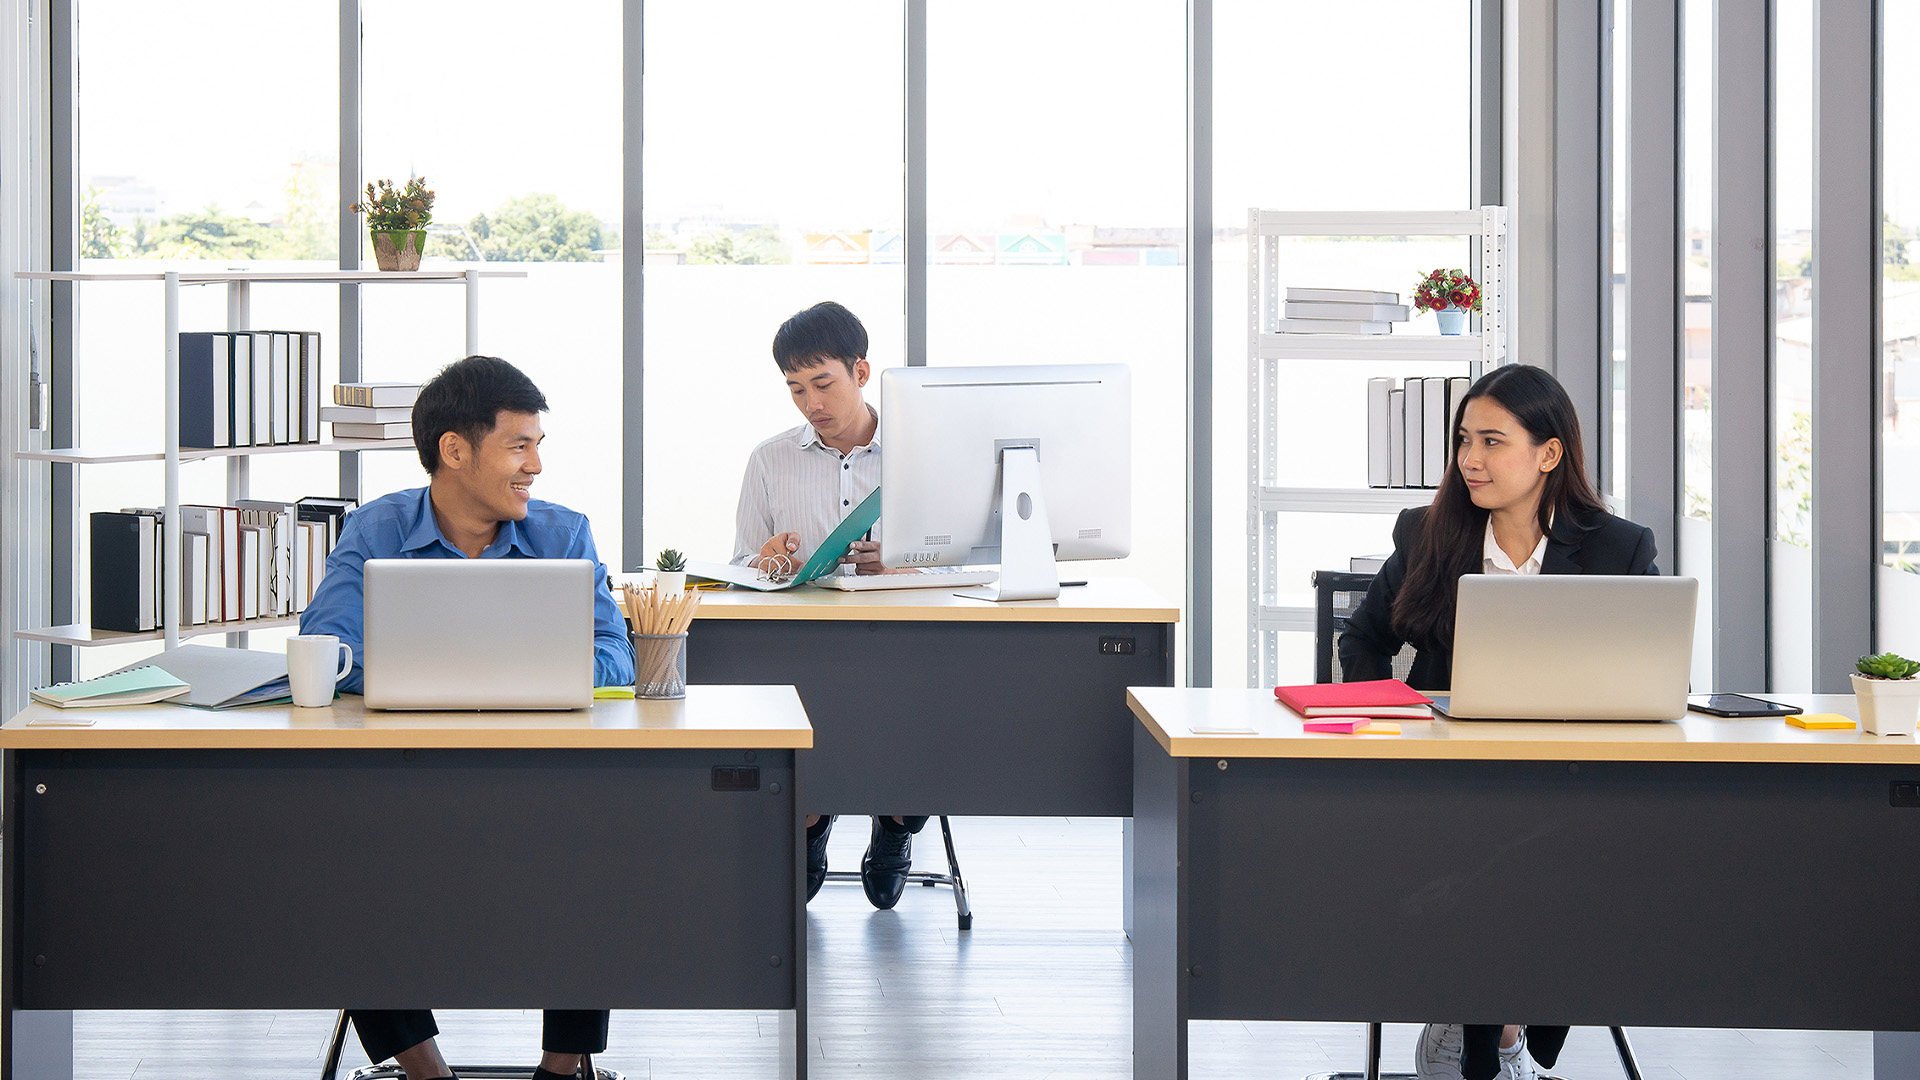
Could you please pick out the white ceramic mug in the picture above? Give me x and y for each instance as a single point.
(310, 671)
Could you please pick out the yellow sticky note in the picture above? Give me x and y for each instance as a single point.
(1379, 728)
(602, 693)
(1824, 721)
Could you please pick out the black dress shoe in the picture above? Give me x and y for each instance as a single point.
(883, 869)
(817, 853)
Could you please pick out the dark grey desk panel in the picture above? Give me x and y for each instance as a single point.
(1694, 895)
(390, 879)
(1000, 718)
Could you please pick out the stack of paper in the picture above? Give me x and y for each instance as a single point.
(1340, 311)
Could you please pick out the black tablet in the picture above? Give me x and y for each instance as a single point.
(1741, 705)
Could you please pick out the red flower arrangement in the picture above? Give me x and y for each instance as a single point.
(1447, 289)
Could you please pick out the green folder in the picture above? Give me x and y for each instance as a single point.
(823, 561)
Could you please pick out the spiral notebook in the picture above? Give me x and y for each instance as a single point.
(138, 686)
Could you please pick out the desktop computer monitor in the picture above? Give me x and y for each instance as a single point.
(1012, 465)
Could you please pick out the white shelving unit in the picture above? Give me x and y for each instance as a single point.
(239, 284)
(1269, 354)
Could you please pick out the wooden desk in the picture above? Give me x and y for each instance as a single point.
(928, 703)
(1707, 873)
(640, 855)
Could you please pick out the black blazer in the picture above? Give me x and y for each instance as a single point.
(1595, 544)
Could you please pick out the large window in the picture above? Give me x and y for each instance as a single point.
(241, 179)
(1899, 585)
(527, 170)
(1056, 189)
(1300, 126)
(1695, 557)
(1790, 603)
(773, 181)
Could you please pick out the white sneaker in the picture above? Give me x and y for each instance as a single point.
(1437, 1055)
(1514, 1062)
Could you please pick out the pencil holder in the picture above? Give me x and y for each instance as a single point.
(660, 665)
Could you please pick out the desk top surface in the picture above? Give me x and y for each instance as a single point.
(1100, 600)
(708, 718)
(1179, 719)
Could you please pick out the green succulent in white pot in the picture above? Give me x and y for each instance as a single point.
(1887, 689)
(670, 572)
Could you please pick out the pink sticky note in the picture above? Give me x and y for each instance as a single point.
(1338, 725)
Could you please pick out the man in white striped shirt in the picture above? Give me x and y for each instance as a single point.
(798, 486)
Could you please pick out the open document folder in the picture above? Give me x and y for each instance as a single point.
(825, 558)
(221, 678)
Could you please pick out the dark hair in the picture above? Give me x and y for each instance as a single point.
(1451, 542)
(826, 331)
(465, 398)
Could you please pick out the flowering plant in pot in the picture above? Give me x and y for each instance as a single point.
(1885, 688)
(1449, 294)
(397, 218)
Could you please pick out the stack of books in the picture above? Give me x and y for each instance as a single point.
(1408, 441)
(258, 558)
(372, 410)
(1339, 311)
(249, 388)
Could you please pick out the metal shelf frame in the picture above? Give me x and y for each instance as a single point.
(239, 288)
(1269, 353)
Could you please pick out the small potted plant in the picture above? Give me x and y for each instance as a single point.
(397, 218)
(670, 572)
(1449, 294)
(1888, 694)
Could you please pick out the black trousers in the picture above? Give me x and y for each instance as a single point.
(386, 1032)
(1480, 1050)
(914, 823)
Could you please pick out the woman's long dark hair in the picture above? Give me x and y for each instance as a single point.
(1452, 538)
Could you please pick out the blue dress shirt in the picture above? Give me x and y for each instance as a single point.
(402, 526)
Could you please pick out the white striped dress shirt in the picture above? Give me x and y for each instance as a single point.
(796, 483)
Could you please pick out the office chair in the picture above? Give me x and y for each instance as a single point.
(1335, 596)
(928, 878)
(330, 1064)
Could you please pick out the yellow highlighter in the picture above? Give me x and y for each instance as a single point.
(603, 693)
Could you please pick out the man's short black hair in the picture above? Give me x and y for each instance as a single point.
(466, 398)
(826, 331)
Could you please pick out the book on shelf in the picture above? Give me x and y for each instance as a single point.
(262, 387)
(194, 547)
(124, 549)
(377, 395)
(277, 579)
(240, 394)
(1456, 391)
(1331, 326)
(362, 414)
(280, 379)
(330, 511)
(142, 685)
(221, 525)
(1335, 309)
(400, 430)
(206, 380)
(1434, 426)
(1344, 296)
(1415, 404)
(1397, 437)
(1379, 438)
(309, 342)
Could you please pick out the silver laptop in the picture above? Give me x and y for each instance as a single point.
(1571, 647)
(479, 634)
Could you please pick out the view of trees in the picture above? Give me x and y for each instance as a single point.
(529, 228)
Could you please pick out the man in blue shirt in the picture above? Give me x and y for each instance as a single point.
(477, 427)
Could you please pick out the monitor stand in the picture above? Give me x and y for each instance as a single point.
(1027, 569)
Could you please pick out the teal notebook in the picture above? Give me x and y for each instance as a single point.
(824, 560)
(140, 686)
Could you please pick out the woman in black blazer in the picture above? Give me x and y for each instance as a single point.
(1515, 499)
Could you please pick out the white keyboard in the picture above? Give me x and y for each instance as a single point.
(931, 577)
